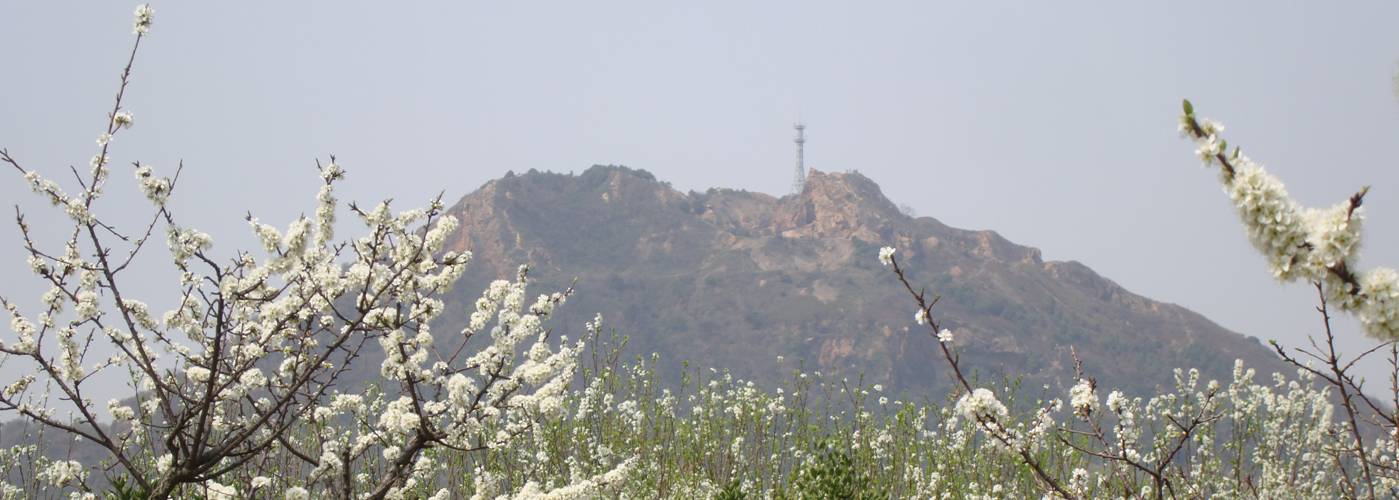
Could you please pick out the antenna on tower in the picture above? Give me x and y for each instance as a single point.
(799, 181)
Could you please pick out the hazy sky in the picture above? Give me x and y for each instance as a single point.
(1050, 122)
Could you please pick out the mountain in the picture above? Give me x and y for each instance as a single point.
(733, 279)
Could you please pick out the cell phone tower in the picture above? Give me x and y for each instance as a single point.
(799, 181)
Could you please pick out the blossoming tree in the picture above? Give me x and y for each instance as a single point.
(1320, 246)
(248, 367)
(1167, 444)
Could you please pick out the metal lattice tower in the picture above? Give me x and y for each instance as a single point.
(800, 180)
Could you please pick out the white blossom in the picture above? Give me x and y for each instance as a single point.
(142, 23)
(1082, 398)
(1117, 402)
(155, 189)
(18, 386)
(197, 374)
(980, 403)
(886, 255)
(216, 491)
(62, 472)
(122, 119)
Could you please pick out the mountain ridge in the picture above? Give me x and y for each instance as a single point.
(732, 279)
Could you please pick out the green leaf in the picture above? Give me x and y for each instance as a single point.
(1189, 109)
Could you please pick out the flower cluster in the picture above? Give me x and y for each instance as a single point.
(1082, 398)
(122, 119)
(1319, 245)
(142, 24)
(155, 189)
(63, 472)
(981, 403)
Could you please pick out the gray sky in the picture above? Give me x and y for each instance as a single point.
(1052, 123)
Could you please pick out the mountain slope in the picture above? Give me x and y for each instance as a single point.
(734, 279)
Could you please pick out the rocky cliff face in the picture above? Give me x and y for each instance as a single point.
(733, 279)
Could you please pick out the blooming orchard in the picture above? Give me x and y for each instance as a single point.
(244, 388)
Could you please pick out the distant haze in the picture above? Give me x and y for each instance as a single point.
(1051, 123)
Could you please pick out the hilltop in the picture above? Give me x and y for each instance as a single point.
(733, 279)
